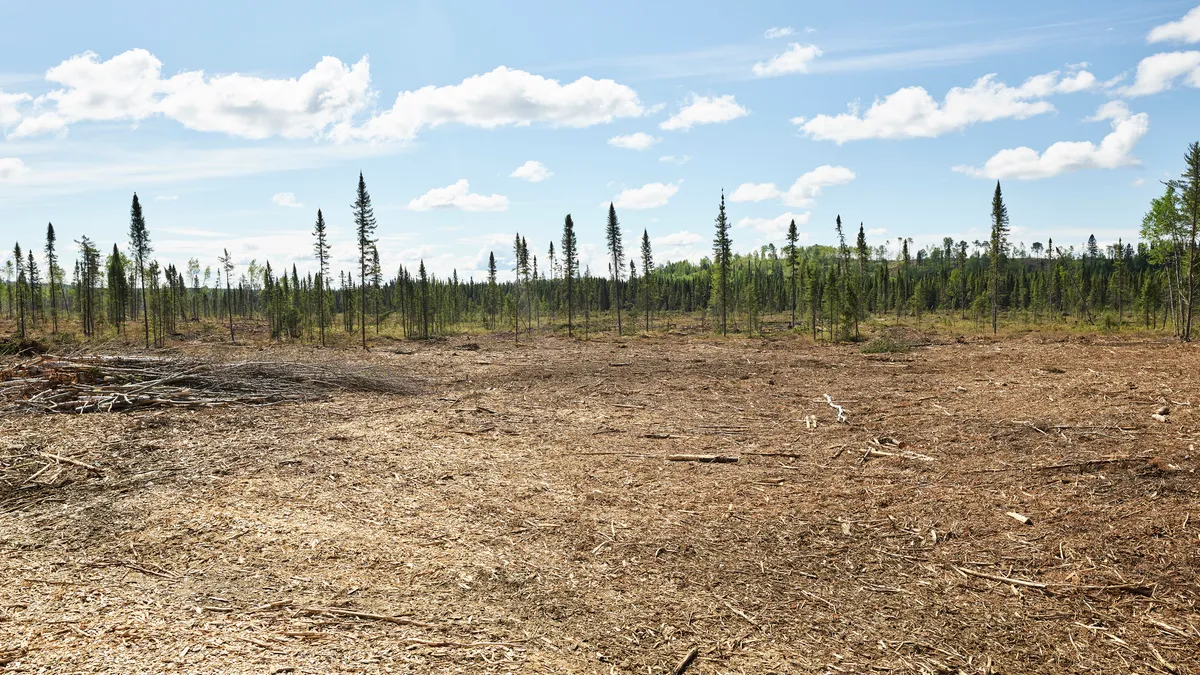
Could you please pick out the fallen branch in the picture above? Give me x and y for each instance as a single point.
(709, 459)
(364, 615)
(1052, 587)
(75, 462)
(686, 662)
(841, 412)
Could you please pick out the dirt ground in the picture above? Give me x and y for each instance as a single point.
(518, 514)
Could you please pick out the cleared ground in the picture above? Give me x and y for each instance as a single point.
(517, 514)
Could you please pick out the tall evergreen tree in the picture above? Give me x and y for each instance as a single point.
(647, 276)
(139, 246)
(321, 248)
(722, 260)
(792, 251)
(364, 227)
(52, 272)
(227, 267)
(491, 282)
(616, 249)
(21, 283)
(1188, 186)
(570, 265)
(999, 242)
(118, 290)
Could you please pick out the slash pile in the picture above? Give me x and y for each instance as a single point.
(81, 384)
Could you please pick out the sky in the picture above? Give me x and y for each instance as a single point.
(472, 121)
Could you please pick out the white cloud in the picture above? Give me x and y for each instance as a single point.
(912, 113)
(807, 187)
(794, 60)
(704, 110)
(649, 196)
(754, 192)
(877, 231)
(773, 33)
(1186, 29)
(9, 114)
(532, 171)
(682, 238)
(809, 29)
(130, 87)
(777, 227)
(675, 159)
(1113, 152)
(286, 199)
(502, 97)
(639, 141)
(802, 193)
(458, 196)
(1159, 72)
(1138, 182)
(11, 168)
(1112, 110)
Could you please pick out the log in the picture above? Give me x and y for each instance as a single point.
(1022, 519)
(708, 459)
(686, 662)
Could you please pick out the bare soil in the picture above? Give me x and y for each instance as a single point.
(517, 514)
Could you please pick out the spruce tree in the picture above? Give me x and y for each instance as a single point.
(139, 246)
(616, 249)
(227, 267)
(647, 276)
(21, 282)
(999, 242)
(492, 288)
(424, 281)
(792, 250)
(1188, 186)
(722, 260)
(52, 265)
(321, 248)
(364, 228)
(570, 265)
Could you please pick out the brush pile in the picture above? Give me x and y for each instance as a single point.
(82, 384)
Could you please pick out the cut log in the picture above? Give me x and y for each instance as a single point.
(1024, 520)
(708, 459)
(687, 661)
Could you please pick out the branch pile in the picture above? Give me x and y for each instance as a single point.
(80, 384)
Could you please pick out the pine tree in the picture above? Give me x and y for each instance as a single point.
(424, 281)
(89, 278)
(21, 283)
(647, 276)
(227, 267)
(570, 264)
(792, 250)
(52, 265)
(722, 259)
(118, 289)
(321, 248)
(364, 227)
(139, 246)
(1188, 186)
(492, 288)
(999, 242)
(616, 250)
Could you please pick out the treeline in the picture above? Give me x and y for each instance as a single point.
(827, 291)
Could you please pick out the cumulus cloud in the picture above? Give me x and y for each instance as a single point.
(675, 159)
(777, 227)
(802, 193)
(794, 60)
(502, 97)
(773, 33)
(12, 168)
(877, 231)
(532, 171)
(639, 141)
(286, 199)
(1186, 29)
(130, 87)
(754, 192)
(1160, 72)
(704, 110)
(458, 196)
(9, 114)
(682, 245)
(912, 113)
(1114, 151)
(681, 238)
(649, 196)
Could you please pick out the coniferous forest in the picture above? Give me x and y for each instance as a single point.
(826, 291)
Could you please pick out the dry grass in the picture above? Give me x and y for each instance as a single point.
(516, 514)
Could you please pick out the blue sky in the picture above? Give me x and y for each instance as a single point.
(472, 121)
